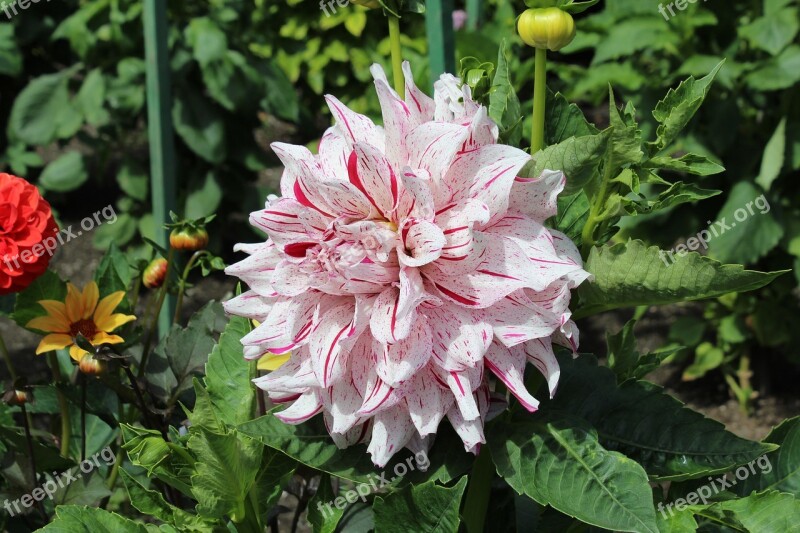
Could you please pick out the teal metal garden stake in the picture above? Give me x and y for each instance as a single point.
(441, 42)
(159, 119)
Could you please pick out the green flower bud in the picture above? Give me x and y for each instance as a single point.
(548, 27)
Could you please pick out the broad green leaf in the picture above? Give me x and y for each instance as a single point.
(636, 33)
(772, 162)
(75, 519)
(226, 470)
(86, 489)
(48, 286)
(780, 72)
(679, 106)
(564, 120)
(65, 174)
(229, 374)
(208, 40)
(90, 99)
(673, 521)
(280, 98)
(312, 448)
(426, 508)
(638, 419)
(204, 199)
(133, 181)
(200, 125)
(778, 470)
(311, 445)
(577, 157)
(632, 274)
(323, 514)
(120, 232)
(698, 165)
(773, 31)
(152, 503)
(561, 463)
(573, 212)
(232, 82)
(766, 511)
(37, 110)
(752, 230)
(182, 354)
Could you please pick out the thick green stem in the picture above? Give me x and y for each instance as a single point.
(539, 100)
(66, 423)
(480, 488)
(397, 55)
(598, 203)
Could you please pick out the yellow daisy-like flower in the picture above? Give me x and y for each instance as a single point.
(81, 313)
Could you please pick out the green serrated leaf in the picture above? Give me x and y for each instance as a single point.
(577, 157)
(640, 420)
(226, 470)
(679, 106)
(698, 165)
(425, 508)
(229, 374)
(74, 519)
(632, 274)
(559, 462)
(778, 470)
(152, 503)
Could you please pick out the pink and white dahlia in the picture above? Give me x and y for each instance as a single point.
(403, 263)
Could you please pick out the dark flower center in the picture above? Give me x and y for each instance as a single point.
(85, 327)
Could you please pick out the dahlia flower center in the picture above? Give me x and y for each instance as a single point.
(85, 327)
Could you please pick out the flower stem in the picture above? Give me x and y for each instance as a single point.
(83, 416)
(480, 488)
(66, 424)
(182, 284)
(29, 441)
(397, 55)
(162, 295)
(539, 100)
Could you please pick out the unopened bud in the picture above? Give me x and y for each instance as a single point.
(155, 273)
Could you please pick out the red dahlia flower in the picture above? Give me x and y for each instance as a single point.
(27, 234)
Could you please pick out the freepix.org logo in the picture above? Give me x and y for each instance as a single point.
(13, 7)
